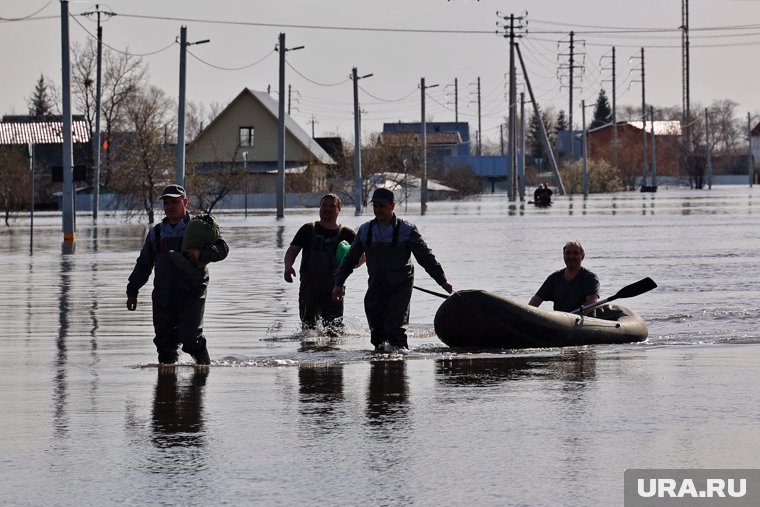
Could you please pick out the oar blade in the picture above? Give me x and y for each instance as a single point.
(636, 288)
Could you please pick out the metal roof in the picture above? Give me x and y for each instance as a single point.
(41, 132)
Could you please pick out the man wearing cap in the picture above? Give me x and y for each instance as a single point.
(319, 242)
(178, 298)
(388, 243)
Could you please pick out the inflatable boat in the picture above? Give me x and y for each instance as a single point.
(484, 320)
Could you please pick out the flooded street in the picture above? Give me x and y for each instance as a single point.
(282, 417)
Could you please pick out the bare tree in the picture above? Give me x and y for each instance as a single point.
(145, 163)
(123, 75)
(724, 127)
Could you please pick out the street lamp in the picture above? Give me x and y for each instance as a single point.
(180, 176)
(357, 142)
(280, 184)
(245, 180)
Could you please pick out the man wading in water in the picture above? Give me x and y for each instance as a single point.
(319, 241)
(178, 298)
(388, 242)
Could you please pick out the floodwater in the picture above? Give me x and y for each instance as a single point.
(285, 418)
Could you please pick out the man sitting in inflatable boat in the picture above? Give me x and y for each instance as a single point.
(571, 287)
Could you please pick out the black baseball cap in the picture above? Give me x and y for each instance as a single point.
(173, 191)
(383, 195)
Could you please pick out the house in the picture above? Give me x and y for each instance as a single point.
(408, 188)
(42, 138)
(444, 139)
(629, 151)
(755, 138)
(243, 137)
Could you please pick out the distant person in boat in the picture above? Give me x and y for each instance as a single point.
(543, 195)
(320, 242)
(388, 243)
(571, 287)
(179, 297)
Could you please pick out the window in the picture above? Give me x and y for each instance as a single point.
(246, 136)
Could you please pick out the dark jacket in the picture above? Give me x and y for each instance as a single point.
(168, 278)
(389, 249)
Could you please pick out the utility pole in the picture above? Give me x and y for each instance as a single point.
(585, 150)
(313, 121)
(570, 106)
(96, 141)
(708, 149)
(280, 184)
(357, 142)
(654, 156)
(423, 124)
(544, 136)
(456, 100)
(509, 32)
(180, 176)
(521, 164)
(613, 118)
(480, 125)
(572, 67)
(67, 158)
(643, 120)
(686, 122)
(512, 109)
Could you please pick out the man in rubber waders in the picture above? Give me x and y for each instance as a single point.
(179, 297)
(388, 243)
(324, 244)
(572, 287)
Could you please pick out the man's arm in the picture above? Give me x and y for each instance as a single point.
(290, 257)
(535, 301)
(141, 272)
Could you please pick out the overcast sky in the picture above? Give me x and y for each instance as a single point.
(400, 42)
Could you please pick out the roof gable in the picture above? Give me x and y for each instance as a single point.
(270, 106)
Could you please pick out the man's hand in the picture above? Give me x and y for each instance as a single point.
(447, 286)
(338, 293)
(289, 274)
(131, 304)
(193, 254)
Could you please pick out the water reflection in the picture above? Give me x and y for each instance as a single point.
(570, 366)
(60, 391)
(321, 395)
(178, 408)
(387, 397)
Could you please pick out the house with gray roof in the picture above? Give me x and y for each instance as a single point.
(42, 137)
(243, 137)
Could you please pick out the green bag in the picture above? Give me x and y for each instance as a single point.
(343, 248)
(200, 231)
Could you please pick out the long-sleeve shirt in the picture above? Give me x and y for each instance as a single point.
(388, 249)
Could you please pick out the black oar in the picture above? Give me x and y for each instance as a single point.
(629, 291)
(440, 295)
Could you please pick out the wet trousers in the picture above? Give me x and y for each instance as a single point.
(387, 310)
(178, 320)
(315, 302)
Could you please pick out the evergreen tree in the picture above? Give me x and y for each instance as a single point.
(561, 122)
(602, 111)
(534, 137)
(41, 101)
